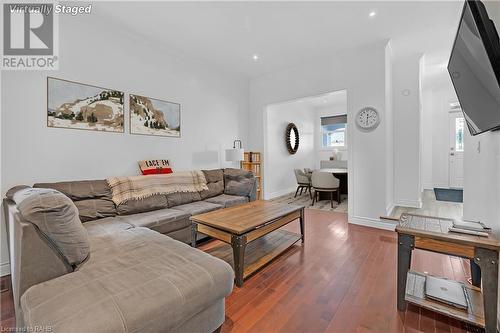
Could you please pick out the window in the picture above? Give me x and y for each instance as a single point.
(459, 134)
(333, 131)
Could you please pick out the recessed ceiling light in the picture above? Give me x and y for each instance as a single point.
(255, 57)
(372, 14)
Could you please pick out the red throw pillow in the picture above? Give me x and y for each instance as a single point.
(155, 167)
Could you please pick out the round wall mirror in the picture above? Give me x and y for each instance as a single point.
(292, 138)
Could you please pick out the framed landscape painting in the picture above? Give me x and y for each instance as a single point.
(81, 106)
(149, 116)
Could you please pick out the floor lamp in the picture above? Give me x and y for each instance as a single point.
(235, 154)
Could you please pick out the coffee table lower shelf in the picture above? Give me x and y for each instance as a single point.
(415, 293)
(259, 252)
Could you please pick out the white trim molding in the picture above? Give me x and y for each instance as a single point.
(428, 186)
(409, 203)
(440, 185)
(4, 269)
(371, 222)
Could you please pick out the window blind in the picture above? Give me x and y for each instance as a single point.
(331, 120)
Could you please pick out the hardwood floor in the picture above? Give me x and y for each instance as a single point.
(343, 279)
(433, 207)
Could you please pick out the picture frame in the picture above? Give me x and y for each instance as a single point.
(75, 105)
(154, 117)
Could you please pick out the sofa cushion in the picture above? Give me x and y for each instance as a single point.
(141, 282)
(105, 227)
(162, 220)
(91, 197)
(213, 176)
(214, 189)
(181, 198)
(215, 183)
(227, 200)
(135, 206)
(93, 209)
(198, 207)
(237, 172)
(56, 218)
(239, 185)
(82, 189)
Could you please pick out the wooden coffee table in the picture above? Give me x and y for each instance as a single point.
(256, 222)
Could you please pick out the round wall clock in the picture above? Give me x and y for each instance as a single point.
(367, 119)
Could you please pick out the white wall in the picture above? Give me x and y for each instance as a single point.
(482, 178)
(278, 161)
(214, 110)
(389, 132)
(427, 135)
(406, 77)
(360, 71)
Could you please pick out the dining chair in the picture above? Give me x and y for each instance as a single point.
(324, 182)
(303, 182)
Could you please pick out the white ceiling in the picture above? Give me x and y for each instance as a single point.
(283, 34)
(328, 100)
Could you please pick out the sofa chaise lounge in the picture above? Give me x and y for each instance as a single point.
(134, 278)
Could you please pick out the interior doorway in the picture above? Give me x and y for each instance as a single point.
(324, 144)
(456, 151)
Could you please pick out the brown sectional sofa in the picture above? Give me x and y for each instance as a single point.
(135, 279)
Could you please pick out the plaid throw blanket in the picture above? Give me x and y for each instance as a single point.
(140, 187)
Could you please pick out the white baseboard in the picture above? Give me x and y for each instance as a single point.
(4, 269)
(372, 223)
(428, 186)
(431, 186)
(279, 193)
(408, 203)
(442, 185)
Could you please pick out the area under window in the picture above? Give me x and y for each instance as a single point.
(333, 131)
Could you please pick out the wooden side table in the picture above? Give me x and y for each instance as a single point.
(432, 234)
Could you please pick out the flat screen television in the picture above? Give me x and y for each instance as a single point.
(474, 68)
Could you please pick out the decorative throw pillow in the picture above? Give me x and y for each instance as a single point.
(239, 185)
(56, 218)
(215, 183)
(154, 167)
(238, 172)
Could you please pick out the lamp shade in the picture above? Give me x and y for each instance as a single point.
(235, 154)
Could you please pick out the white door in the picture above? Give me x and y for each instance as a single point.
(456, 152)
